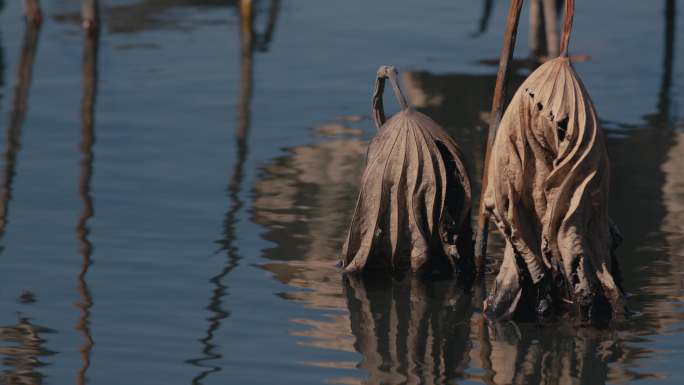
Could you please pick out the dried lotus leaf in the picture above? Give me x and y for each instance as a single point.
(548, 195)
(413, 208)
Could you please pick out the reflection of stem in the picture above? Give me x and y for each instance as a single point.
(485, 351)
(662, 118)
(246, 54)
(486, 14)
(263, 40)
(668, 59)
(17, 115)
(90, 48)
(234, 187)
(2, 57)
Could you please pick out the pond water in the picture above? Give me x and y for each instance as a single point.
(172, 207)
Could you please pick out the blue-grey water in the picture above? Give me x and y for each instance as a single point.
(171, 211)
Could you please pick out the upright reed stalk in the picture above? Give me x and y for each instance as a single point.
(495, 118)
(89, 15)
(567, 26)
(33, 12)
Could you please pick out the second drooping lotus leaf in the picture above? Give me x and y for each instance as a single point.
(548, 195)
(413, 209)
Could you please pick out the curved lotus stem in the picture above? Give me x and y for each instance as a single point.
(386, 72)
(567, 26)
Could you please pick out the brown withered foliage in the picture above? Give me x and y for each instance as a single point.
(413, 209)
(548, 195)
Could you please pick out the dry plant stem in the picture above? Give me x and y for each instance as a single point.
(85, 302)
(550, 27)
(89, 15)
(378, 110)
(567, 26)
(33, 12)
(497, 111)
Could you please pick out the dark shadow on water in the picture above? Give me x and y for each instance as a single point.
(17, 116)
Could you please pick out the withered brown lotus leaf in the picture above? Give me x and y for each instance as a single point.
(548, 195)
(413, 209)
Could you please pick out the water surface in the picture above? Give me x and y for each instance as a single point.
(173, 202)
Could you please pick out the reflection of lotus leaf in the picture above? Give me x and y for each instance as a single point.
(23, 356)
(409, 330)
(304, 199)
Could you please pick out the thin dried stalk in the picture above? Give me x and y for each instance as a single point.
(567, 26)
(32, 12)
(413, 209)
(497, 110)
(90, 15)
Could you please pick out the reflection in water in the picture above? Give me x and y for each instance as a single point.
(664, 110)
(409, 331)
(653, 272)
(2, 61)
(487, 6)
(522, 354)
(16, 118)
(210, 349)
(141, 15)
(85, 302)
(304, 200)
(22, 357)
(543, 37)
(413, 332)
(248, 43)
